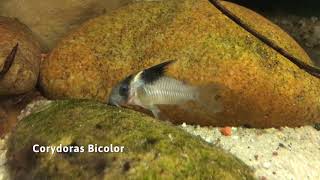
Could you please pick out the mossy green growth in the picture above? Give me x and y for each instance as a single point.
(152, 149)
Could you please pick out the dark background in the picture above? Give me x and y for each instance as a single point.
(302, 7)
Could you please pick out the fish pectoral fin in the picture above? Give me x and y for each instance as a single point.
(155, 111)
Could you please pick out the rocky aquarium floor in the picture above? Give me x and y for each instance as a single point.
(286, 153)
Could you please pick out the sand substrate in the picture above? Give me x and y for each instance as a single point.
(286, 153)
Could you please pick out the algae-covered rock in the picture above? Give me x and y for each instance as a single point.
(23, 74)
(261, 88)
(152, 149)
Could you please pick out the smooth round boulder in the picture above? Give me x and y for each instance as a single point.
(259, 87)
(51, 20)
(151, 149)
(23, 73)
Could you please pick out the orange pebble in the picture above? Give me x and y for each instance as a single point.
(226, 131)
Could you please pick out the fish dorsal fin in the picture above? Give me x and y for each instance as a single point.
(155, 72)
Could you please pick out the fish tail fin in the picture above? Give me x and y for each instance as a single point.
(208, 98)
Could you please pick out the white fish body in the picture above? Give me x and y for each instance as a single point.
(166, 91)
(170, 91)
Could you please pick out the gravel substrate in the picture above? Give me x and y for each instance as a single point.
(286, 153)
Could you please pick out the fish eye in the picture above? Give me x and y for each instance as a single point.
(123, 90)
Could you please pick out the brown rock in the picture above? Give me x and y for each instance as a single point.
(52, 19)
(260, 87)
(23, 73)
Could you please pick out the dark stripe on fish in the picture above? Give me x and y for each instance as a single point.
(153, 73)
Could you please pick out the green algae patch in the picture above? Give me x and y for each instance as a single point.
(152, 149)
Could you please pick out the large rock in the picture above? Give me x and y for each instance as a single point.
(261, 88)
(52, 19)
(152, 149)
(23, 74)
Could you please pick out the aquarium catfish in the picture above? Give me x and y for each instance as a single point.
(151, 87)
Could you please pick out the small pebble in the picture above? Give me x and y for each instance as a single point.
(266, 165)
(226, 131)
(263, 178)
(282, 145)
(235, 137)
(314, 19)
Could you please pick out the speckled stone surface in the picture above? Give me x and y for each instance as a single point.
(23, 74)
(259, 87)
(51, 20)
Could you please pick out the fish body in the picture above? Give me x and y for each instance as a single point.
(165, 91)
(150, 87)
